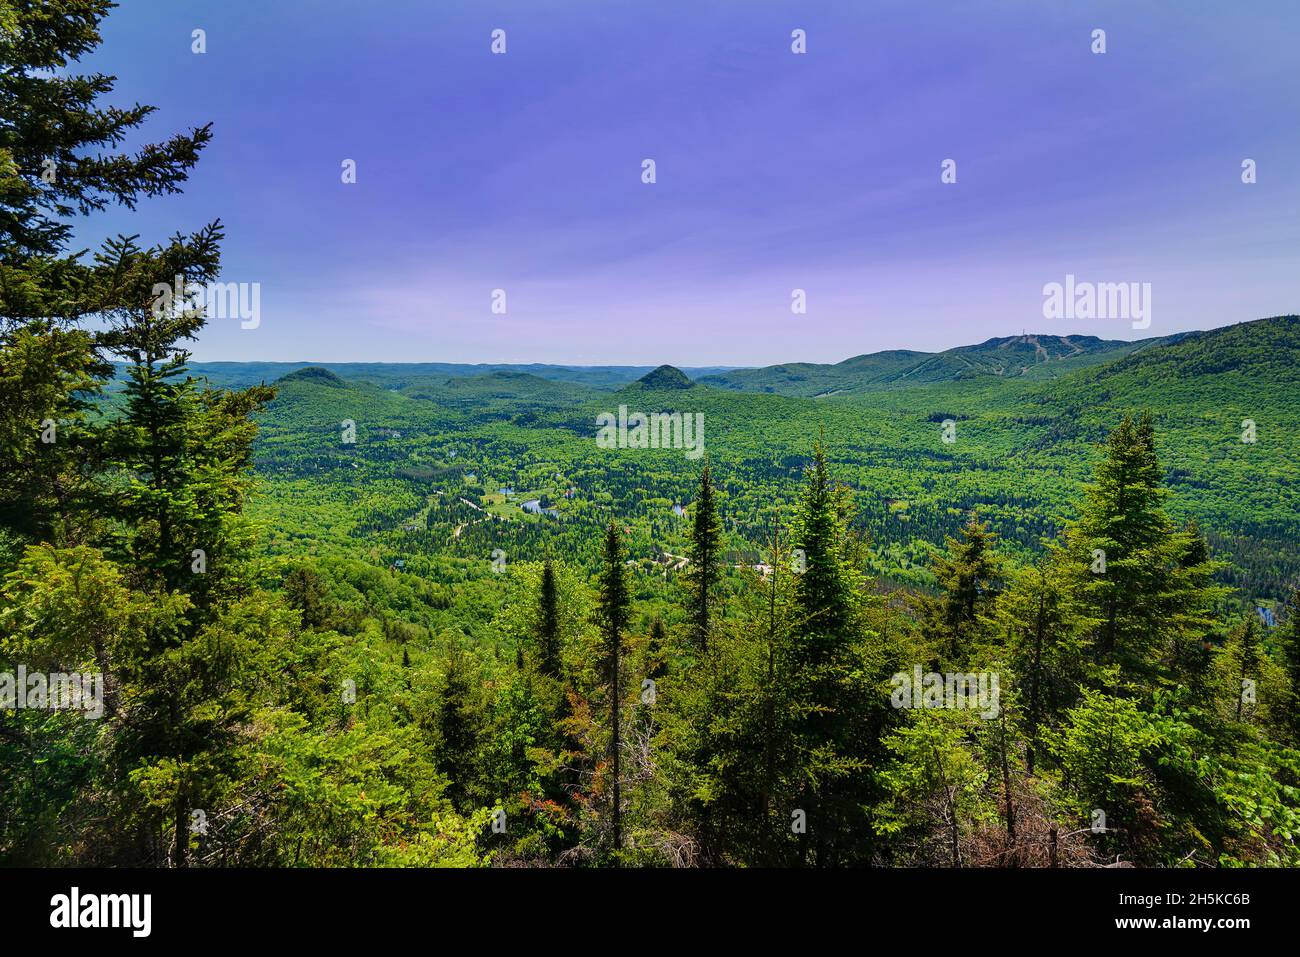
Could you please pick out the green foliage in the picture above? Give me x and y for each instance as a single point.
(704, 569)
(472, 637)
(934, 774)
(967, 574)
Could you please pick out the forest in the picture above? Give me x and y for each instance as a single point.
(1021, 604)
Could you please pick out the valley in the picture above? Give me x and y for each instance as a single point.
(1023, 446)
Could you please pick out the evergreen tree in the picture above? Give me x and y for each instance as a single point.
(182, 456)
(1289, 637)
(1103, 749)
(968, 575)
(934, 786)
(161, 488)
(823, 590)
(656, 653)
(1046, 636)
(548, 625)
(705, 568)
(1117, 537)
(52, 152)
(1147, 584)
(1246, 655)
(729, 732)
(305, 590)
(457, 729)
(1190, 602)
(613, 611)
(49, 453)
(57, 161)
(837, 669)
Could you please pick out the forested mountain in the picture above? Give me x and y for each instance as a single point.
(1020, 450)
(1028, 356)
(400, 375)
(960, 613)
(664, 378)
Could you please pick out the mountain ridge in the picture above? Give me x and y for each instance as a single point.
(1026, 357)
(1029, 355)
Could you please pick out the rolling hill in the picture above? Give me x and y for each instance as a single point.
(1027, 356)
(1024, 444)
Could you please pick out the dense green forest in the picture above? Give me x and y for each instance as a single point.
(1024, 604)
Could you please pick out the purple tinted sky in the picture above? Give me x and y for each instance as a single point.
(775, 171)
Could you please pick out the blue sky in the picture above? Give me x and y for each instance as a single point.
(775, 171)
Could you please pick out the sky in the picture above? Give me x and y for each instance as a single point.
(774, 171)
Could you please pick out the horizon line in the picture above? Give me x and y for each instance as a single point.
(723, 365)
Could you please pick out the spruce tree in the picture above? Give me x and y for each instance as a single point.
(822, 590)
(159, 488)
(1246, 651)
(836, 668)
(613, 611)
(968, 576)
(305, 590)
(1121, 526)
(705, 567)
(457, 730)
(55, 148)
(58, 162)
(1147, 583)
(656, 653)
(548, 625)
